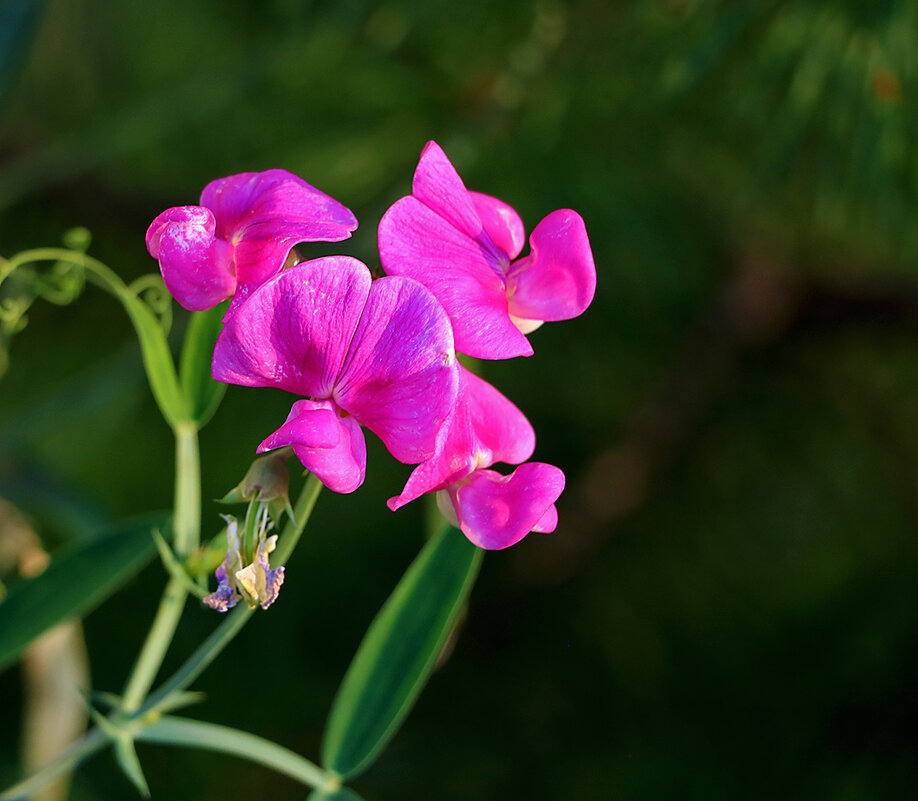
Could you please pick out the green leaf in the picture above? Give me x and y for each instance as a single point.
(125, 755)
(157, 360)
(170, 730)
(202, 392)
(76, 581)
(399, 652)
(127, 760)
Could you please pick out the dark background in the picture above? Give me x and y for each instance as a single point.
(727, 609)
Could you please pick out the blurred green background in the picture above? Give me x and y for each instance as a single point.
(727, 609)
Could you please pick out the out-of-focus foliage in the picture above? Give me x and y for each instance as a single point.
(726, 610)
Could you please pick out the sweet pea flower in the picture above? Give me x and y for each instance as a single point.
(492, 510)
(461, 245)
(378, 353)
(241, 235)
(255, 583)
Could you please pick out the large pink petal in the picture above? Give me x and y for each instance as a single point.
(496, 511)
(265, 214)
(501, 222)
(557, 280)
(276, 197)
(294, 331)
(400, 378)
(464, 276)
(329, 444)
(196, 266)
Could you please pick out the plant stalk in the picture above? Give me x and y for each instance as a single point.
(187, 531)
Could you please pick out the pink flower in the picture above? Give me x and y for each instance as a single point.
(377, 353)
(462, 246)
(241, 235)
(492, 510)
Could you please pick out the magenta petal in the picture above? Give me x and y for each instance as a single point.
(438, 186)
(463, 275)
(311, 424)
(276, 196)
(501, 222)
(265, 214)
(548, 522)
(496, 511)
(294, 331)
(557, 280)
(452, 461)
(400, 378)
(196, 266)
(484, 428)
(501, 431)
(329, 444)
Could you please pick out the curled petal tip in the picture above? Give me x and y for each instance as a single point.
(196, 266)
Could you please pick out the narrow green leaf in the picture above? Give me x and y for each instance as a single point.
(399, 652)
(91, 742)
(202, 392)
(127, 760)
(125, 755)
(157, 360)
(170, 730)
(76, 581)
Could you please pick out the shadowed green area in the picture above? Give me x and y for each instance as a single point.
(727, 608)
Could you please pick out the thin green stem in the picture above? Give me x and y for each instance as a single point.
(93, 741)
(155, 645)
(290, 536)
(110, 279)
(187, 528)
(203, 655)
(198, 734)
(157, 358)
(208, 650)
(186, 524)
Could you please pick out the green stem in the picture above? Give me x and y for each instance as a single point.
(208, 650)
(187, 528)
(155, 646)
(109, 278)
(198, 734)
(301, 514)
(203, 655)
(66, 762)
(186, 524)
(157, 358)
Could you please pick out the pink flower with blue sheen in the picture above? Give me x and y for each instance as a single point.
(494, 511)
(377, 353)
(462, 246)
(241, 235)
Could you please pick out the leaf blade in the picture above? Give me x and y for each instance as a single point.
(202, 392)
(398, 652)
(157, 360)
(74, 583)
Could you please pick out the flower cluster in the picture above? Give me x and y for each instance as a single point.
(381, 354)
